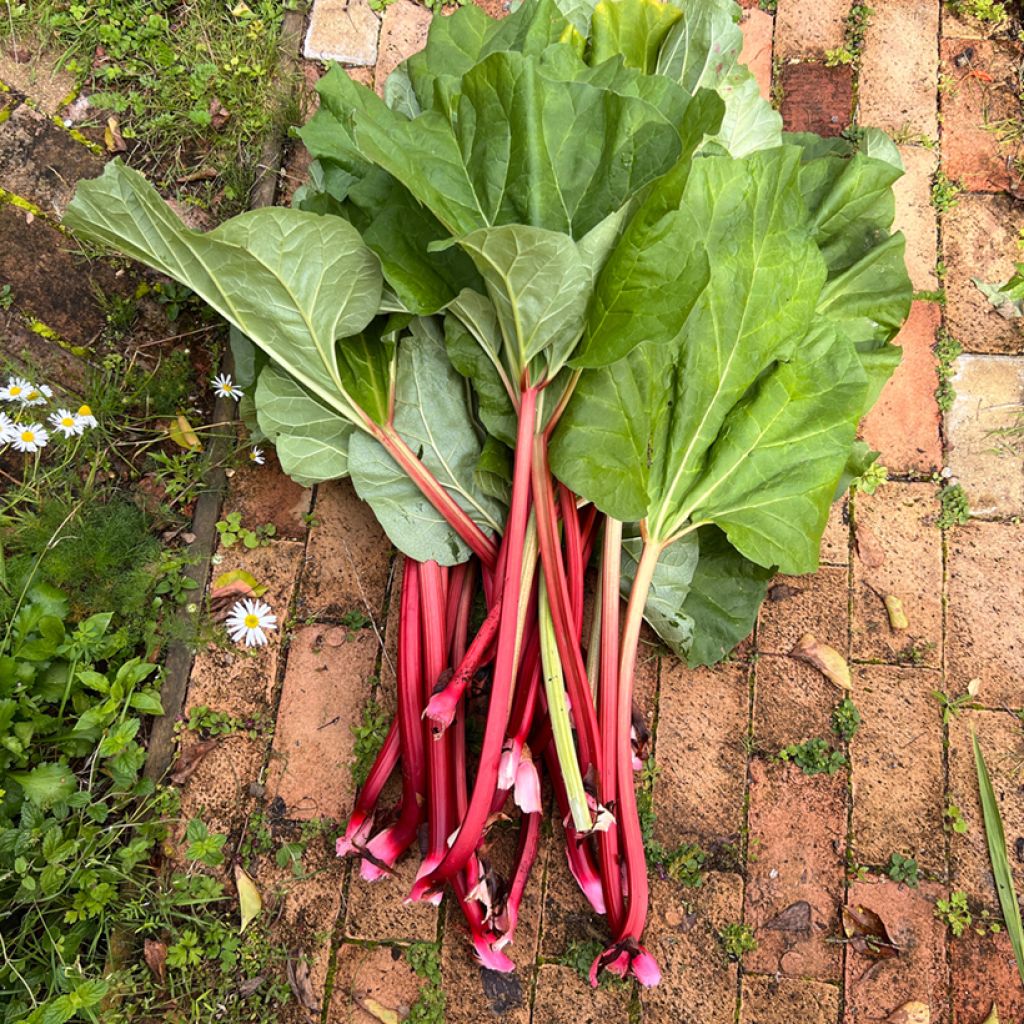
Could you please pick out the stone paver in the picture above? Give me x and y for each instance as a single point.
(796, 605)
(795, 874)
(757, 28)
(898, 82)
(915, 215)
(342, 30)
(904, 423)
(979, 99)
(698, 984)
(835, 542)
(898, 749)
(816, 98)
(808, 30)
(979, 239)
(896, 527)
(403, 32)
(562, 995)
(877, 987)
(792, 702)
(377, 911)
(985, 611)
(370, 977)
(989, 399)
(327, 681)
(984, 973)
(788, 1001)
(698, 796)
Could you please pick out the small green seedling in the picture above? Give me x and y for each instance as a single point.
(736, 940)
(903, 869)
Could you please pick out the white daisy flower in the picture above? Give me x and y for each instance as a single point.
(85, 416)
(8, 428)
(66, 422)
(256, 455)
(248, 620)
(224, 387)
(29, 437)
(16, 390)
(38, 394)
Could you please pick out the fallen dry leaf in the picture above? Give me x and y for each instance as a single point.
(182, 434)
(155, 955)
(219, 114)
(783, 592)
(897, 616)
(112, 137)
(869, 550)
(795, 918)
(203, 174)
(827, 660)
(189, 758)
(993, 1016)
(974, 686)
(247, 987)
(301, 986)
(250, 902)
(867, 933)
(910, 1013)
(379, 1011)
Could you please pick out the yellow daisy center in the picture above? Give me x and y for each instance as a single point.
(227, 387)
(33, 395)
(67, 421)
(251, 621)
(15, 390)
(85, 411)
(28, 436)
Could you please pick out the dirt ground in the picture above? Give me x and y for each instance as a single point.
(788, 851)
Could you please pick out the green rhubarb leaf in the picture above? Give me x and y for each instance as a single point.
(750, 122)
(631, 30)
(292, 282)
(441, 432)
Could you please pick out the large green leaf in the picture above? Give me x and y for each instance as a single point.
(291, 282)
(440, 431)
(632, 29)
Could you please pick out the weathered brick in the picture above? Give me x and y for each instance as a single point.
(835, 541)
(984, 974)
(792, 703)
(377, 911)
(795, 878)
(327, 680)
(985, 609)
(808, 30)
(562, 995)
(982, 96)
(989, 396)
(403, 32)
(816, 98)
(915, 215)
(979, 239)
(898, 749)
(342, 30)
(904, 423)
(918, 974)
(41, 162)
(897, 523)
(1002, 744)
(264, 495)
(756, 54)
(898, 80)
(796, 605)
(788, 1001)
(698, 984)
(378, 973)
(567, 915)
(348, 557)
(698, 795)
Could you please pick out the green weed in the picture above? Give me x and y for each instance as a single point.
(736, 940)
(946, 350)
(945, 192)
(431, 1004)
(845, 719)
(903, 869)
(814, 757)
(954, 508)
(370, 734)
(955, 913)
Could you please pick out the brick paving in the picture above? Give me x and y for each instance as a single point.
(787, 850)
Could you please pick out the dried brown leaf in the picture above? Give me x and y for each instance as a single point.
(250, 902)
(189, 758)
(910, 1013)
(795, 918)
(302, 985)
(112, 137)
(219, 114)
(867, 933)
(382, 1013)
(993, 1016)
(827, 660)
(869, 548)
(155, 954)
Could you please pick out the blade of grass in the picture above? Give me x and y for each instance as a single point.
(1000, 862)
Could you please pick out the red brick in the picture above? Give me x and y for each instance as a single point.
(792, 703)
(898, 773)
(342, 30)
(562, 995)
(796, 605)
(835, 542)
(808, 30)
(898, 81)
(985, 611)
(756, 54)
(1002, 744)
(915, 215)
(377, 911)
(816, 98)
(403, 32)
(263, 494)
(567, 915)
(348, 557)
(788, 1001)
(378, 973)
(898, 523)
(495, 8)
(327, 681)
(698, 984)
(795, 874)
(984, 973)
(904, 423)
(877, 987)
(983, 92)
(698, 795)
(979, 239)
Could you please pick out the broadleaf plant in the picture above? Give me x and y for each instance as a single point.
(565, 295)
